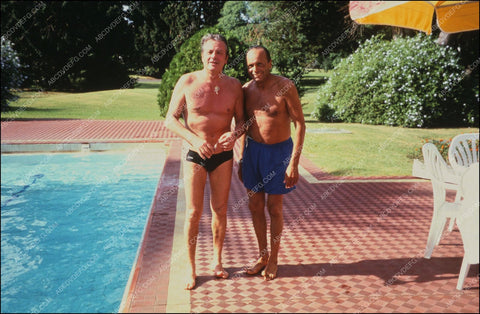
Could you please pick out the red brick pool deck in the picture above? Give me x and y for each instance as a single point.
(350, 245)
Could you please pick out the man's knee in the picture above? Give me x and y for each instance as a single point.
(256, 204)
(220, 210)
(275, 209)
(193, 215)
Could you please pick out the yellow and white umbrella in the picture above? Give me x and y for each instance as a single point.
(452, 16)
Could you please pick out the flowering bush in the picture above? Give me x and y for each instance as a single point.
(410, 82)
(12, 77)
(442, 146)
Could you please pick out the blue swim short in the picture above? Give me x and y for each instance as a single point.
(264, 166)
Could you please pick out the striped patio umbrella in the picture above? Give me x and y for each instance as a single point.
(451, 16)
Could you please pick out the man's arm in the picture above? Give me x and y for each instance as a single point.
(243, 135)
(227, 140)
(240, 126)
(295, 112)
(172, 120)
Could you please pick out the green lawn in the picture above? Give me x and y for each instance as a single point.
(366, 151)
(369, 150)
(139, 103)
(312, 81)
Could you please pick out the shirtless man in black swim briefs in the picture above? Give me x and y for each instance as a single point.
(207, 100)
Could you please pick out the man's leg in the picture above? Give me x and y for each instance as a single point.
(256, 204)
(195, 177)
(220, 180)
(275, 209)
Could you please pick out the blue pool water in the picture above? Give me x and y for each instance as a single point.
(71, 226)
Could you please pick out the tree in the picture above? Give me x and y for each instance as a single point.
(234, 16)
(70, 45)
(162, 27)
(152, 38)
(11, 75)
(295, 32)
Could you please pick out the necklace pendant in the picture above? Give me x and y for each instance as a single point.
(216, 90)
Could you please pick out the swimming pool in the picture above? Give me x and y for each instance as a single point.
(71, 226)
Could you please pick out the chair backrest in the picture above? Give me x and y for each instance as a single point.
(438, 170)
(468, 220)
(463, 151)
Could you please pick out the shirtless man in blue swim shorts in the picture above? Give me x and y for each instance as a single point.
(270, 158)
(207, 100)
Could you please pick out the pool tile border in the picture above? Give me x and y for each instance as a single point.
(147, 289)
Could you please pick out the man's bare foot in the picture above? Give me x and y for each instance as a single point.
(270, 271)
(190, 282)
(219, 272)
(261, 263)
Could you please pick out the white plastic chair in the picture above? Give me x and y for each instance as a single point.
(462, 152)
(442, 210)
(467, 221)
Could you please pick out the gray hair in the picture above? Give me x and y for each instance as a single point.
(216, 37)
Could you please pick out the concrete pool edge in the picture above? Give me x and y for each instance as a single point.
(152, 270)
(72, 147)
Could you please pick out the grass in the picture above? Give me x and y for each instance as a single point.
(312, 81)
(139, 103)
(367, 151)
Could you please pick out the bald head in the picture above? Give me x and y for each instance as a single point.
(259, 47)
(259, 63)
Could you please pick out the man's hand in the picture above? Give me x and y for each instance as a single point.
(291, 176)
(204, 149)
(226, 141)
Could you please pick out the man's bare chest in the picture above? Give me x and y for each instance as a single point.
(209, 99)
(258, 104)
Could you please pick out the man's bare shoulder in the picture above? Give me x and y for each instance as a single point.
(232, 84)
(247, 85)
(233, 81)
(282, 80)
(189, 78)
(284, 86)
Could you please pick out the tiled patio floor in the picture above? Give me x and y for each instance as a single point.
(349, 245)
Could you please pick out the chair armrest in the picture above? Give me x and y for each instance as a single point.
(451, 179)
(451, 176)
(419, 169)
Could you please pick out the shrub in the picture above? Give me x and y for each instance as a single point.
(188, 59)
(410, 82)
(325, 113)
(441, 144)
(100, 73)
(12, 77)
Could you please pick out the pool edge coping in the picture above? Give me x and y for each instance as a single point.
(130, 287)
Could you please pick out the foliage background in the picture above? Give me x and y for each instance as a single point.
(49, 35)
(142, 37)
(12, 77)
(408, 81)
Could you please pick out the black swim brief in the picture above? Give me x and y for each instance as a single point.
(211, 163)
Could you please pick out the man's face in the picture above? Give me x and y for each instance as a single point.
(258, 66)
(214, 55)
